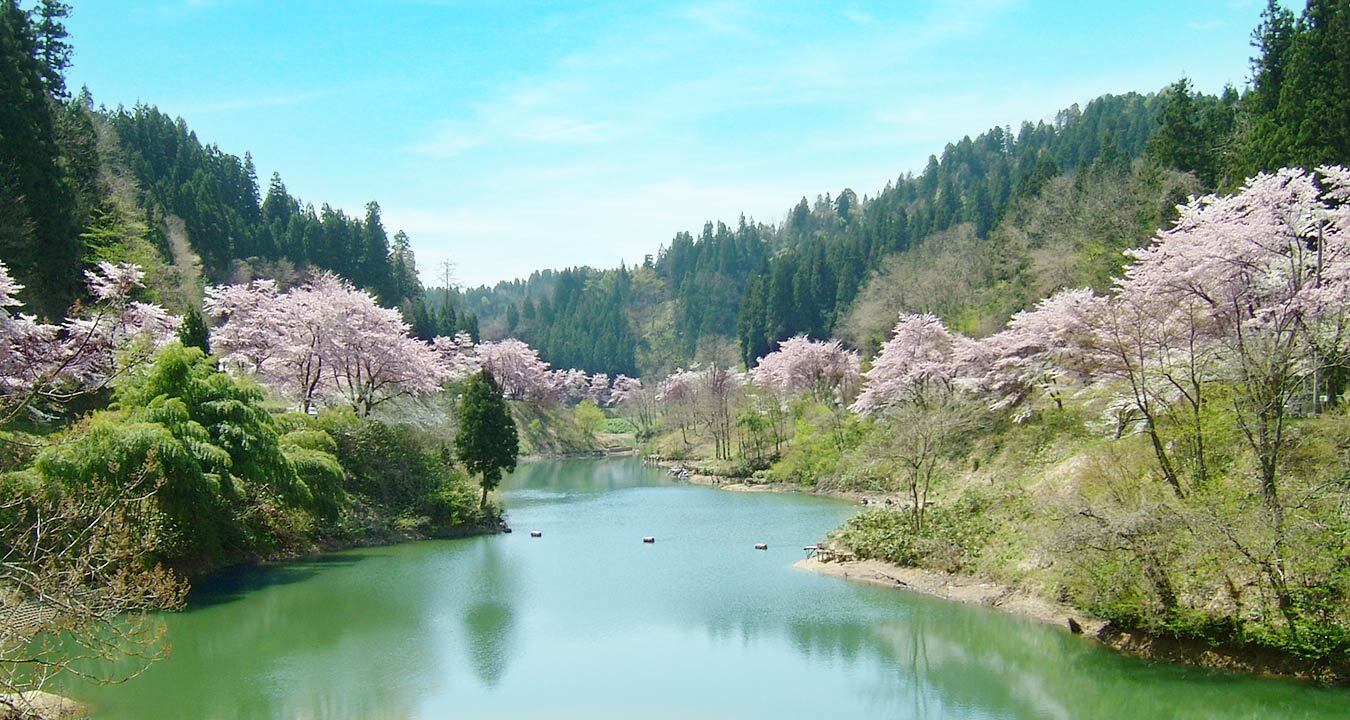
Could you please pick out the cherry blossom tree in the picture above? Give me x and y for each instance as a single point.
(677, 394)
(371, 354)
(1035, 351)
(623, 389)
(1263, 274)
(572, 384)
(825, 369)
(597, 389)
(517, 367)
(716, 389)
(40, 361)
(325, 342)
(918, 355)
(458, 354)
(630, 395)
(249, 314)
(1248, 293)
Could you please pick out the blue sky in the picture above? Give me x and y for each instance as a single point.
(508, 137)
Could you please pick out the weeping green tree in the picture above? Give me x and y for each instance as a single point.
(487, 442)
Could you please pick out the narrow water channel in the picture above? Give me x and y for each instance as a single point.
(589, 622)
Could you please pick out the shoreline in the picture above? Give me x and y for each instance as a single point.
(580, 454)
(972, 590)
(1018, 602)
(721, 482)
(385, 538)
(964, 589)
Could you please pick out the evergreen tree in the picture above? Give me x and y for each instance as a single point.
(403, 281)
(486, 443)
(373, 268)
(193, 333)
(1272, 38)
(40, 240)
(1184, 140)
(52, 48)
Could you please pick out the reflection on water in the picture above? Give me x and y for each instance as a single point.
(489, 627)
(488, 619)
(589, 622)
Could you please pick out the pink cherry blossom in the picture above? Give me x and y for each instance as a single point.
(919, 353)
(801, 364)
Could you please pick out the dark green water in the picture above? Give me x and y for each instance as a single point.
(588, 622)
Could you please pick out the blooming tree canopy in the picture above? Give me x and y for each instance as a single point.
(1036, 350)
(323, 342)
(518, 369)
(623, 389)
(597, 389)
(40, 360)
(919, 353)
(458, 354)
(801, 364)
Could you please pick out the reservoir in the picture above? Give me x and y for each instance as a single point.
(588, 621)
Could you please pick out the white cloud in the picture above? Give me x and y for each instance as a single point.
(201, 107)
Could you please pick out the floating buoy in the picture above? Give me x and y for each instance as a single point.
(536, 533)
(506, 529)
(761, 546)
(648, 539)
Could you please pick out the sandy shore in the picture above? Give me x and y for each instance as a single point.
(957, 588)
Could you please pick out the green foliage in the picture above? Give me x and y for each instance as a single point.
(182, 389)
(40, 212)
(200, 445)
(821, 438)
(951, 539)
(228, 481)
(1295, 112)
(1072, 234)
(554, 430)
(618, 426)
(1191, 129)
(486, 442)
(589, 417)
(828, 256)
(179, 468)
(403, 470)
(193, 332)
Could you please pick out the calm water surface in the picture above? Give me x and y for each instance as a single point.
(588, 622)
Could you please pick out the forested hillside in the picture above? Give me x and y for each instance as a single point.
(757, 283)
(738, 291)
(80, 184)
(1121, 163)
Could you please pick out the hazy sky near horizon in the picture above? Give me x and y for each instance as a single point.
(509, 137)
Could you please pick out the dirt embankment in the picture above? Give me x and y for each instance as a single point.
(959, 588)
(975, 591)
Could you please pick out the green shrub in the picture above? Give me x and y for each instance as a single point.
(951, 538)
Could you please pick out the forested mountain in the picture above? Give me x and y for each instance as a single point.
(758, 284)
(831, 247)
